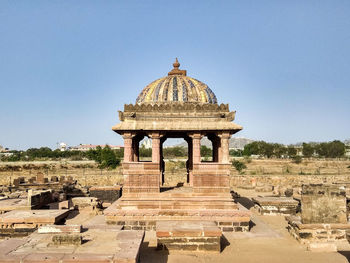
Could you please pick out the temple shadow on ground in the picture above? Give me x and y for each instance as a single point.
(346, 254)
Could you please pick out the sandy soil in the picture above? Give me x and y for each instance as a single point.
(268, 241)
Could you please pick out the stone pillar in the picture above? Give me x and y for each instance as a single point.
(156, 152)
(195, 153)
(155, 147)
(128, 147)
(224, 152)
(196, 147)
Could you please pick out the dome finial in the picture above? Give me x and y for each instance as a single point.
(176, 64)
(176, 70)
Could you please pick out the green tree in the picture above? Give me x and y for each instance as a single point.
(308, 149)
(336, 149)
(205, 151)
(291, 151)
(279, 150)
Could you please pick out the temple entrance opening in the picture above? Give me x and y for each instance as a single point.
(145, 149)
(175, 157)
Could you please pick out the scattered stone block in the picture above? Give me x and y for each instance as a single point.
(67, 204)
(40, 178)
(102, 246)
(67, 239)
(271, 205)
(188, 236)
(21, 223)
(323, 204)
(59, 229)
(322, 247)
(323, 222)
(16, 182)
(87, 204)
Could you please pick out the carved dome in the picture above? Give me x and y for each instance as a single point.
(176, 87)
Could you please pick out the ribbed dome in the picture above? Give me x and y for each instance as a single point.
(176, 87)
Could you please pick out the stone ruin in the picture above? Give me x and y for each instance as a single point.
(324, 221)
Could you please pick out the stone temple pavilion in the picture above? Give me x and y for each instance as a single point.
(177, 106)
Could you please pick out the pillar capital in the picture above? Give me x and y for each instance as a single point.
(195, 135)
(155, 135)
(224, 135)
(128, 135)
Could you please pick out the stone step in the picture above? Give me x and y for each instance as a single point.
(175, 205)
(189, 236)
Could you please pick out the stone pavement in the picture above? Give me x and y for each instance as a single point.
(268, 241)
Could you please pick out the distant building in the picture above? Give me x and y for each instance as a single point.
(147, 143)
(3, 149)
(87, 147)
(62, 146)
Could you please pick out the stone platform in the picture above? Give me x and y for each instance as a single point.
(97, 245)
(20, 223)
(7, 205)
(274, 205)
(142, 211)
(188, 236)
(325, 236)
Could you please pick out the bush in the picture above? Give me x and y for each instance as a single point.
(297, 159)
(240, 166)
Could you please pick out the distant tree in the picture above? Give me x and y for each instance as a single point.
(175, 151)
(205, 151)
(237, 153)
(308, 149)
(252, 148)
(291, 151)
(145, 152)
(108, 158)
(336, 149)
(279, 150)
(268, 149)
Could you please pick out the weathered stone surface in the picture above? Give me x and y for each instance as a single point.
(67, 239)
(322, 247)
(106, 193)
(101, 246)
(323, 204)
(188, 236)
(21, 223)
(59, 229)
(276, 205)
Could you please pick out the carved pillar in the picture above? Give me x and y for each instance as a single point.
(155, 147)
(196, 147)
(128, 147)
(224, 142)
(195, 153)
(156, 151)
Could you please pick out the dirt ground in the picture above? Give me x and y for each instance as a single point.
(268, 241)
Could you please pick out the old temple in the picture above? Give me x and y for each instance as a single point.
(177, 106)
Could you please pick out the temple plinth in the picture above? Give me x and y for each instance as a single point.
(177, 106)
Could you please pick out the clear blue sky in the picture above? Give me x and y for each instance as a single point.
(67, 67)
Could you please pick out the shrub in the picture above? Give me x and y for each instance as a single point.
(297, 159)
(240, 166)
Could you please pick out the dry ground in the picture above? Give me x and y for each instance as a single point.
(268, 241)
